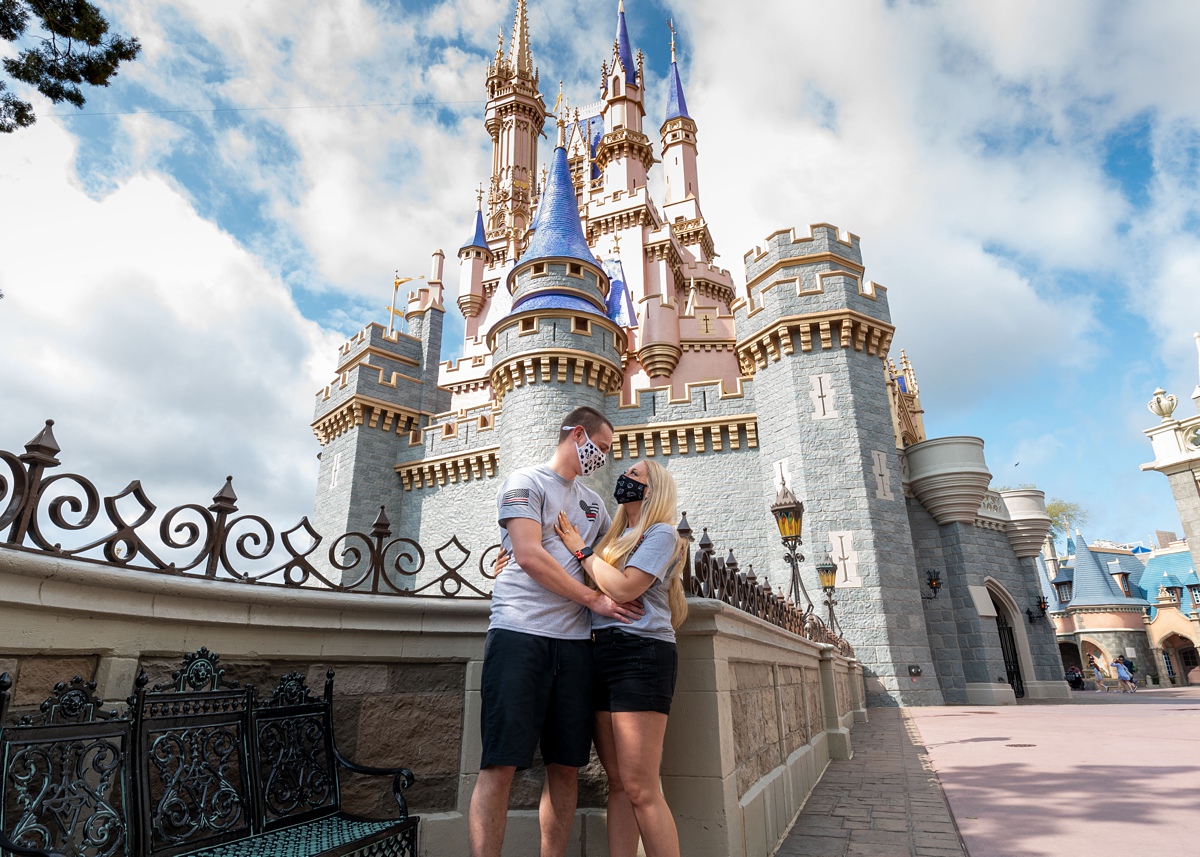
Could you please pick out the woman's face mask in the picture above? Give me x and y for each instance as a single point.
(629, 490)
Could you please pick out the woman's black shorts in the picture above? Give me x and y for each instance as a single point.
(633, 673)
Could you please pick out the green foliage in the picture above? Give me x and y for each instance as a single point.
(67, 47)
(1064, 513)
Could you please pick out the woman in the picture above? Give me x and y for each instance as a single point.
(636, 664)
(1124, 677)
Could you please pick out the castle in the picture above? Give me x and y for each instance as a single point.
(579, 288)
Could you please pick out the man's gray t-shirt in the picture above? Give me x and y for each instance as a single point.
(520, 603)
(652, 556)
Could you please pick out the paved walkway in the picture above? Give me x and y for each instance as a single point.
(1098, 775)
(885, 802)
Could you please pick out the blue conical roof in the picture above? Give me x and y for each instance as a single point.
(623, 49)
(478, 239)
(1094, 584)
(676, 105)
(558, 231)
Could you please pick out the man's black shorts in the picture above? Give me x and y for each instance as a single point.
(634, 673)
(536, 689)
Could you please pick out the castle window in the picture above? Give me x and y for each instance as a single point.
(1195, 591)
(449, 429)
(1123, 582)
(576, 270)
(528, 325)
(1064, 592)
(1189, 659)
(581, 325)
(485, 421)
(1176, 593)
(539, 268)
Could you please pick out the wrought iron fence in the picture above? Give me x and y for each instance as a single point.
(216, 543)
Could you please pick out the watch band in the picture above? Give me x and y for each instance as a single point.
(583, 553)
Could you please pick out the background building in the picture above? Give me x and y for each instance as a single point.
(578, 287)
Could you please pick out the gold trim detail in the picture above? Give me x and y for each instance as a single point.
(776, 341)
(561, 365)
(362, 410)
(459, 467)
(685, 437)
(659, 359)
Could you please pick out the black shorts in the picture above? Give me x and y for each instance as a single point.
(536, 690)
(634, 673)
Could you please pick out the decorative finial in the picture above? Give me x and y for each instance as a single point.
(500, 44)
(671, 25)
(641, 60)
(1163, 404)
(620, 7)
(617, 243)
(479, 204)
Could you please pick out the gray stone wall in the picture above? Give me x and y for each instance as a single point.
(939, 612)
(1186, 491)
(365, 480)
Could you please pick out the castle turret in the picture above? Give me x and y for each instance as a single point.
(814, 334)
(556, 348)
(624, 154)
(425, 315)
(514, 118)
(473, 259)
(679, 149)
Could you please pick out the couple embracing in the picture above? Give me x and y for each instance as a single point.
(566, 663)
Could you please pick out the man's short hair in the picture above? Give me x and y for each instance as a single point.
(590, 418)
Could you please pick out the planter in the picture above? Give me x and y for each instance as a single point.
(1029, 524)
(949, 476)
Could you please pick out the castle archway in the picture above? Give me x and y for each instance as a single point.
(1070, 655)
(1014, 641)
(1181, 661)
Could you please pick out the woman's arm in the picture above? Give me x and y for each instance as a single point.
(620, 586)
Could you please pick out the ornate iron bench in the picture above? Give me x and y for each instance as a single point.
(200, 767)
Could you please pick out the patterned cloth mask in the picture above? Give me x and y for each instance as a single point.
(591, 458)
(628, 490)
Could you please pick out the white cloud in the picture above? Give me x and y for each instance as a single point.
(165, 350)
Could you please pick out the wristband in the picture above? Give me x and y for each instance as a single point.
(583, 553)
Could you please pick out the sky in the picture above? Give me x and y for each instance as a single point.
(181, 258)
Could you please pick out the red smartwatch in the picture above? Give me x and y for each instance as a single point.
(583, 553)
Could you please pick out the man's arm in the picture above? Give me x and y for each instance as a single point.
(526, 537)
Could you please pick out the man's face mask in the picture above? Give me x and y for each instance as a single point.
(628, 490)
(591, 458)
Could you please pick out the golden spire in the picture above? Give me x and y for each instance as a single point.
(520, 57)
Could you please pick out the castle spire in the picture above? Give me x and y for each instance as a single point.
(623, 51)
(520, 56)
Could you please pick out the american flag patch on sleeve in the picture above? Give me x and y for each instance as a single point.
(516, 497)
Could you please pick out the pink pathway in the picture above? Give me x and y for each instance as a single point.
(1106, 774)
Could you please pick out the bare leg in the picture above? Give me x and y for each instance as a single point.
(639, 741)
(622, 825)
(556, 813)
(489, 810)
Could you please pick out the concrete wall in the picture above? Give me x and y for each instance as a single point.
(408, 683)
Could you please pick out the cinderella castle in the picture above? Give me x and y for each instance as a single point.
(578, 287)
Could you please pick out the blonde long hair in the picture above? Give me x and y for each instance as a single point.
(661, 506)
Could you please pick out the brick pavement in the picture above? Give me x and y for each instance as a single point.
(885, 802)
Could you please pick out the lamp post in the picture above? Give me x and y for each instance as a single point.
(1042, 604)
(789, 516)
(827, 571)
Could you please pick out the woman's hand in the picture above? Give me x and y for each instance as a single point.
(501, 562)
(567, 532)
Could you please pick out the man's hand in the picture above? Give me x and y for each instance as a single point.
(628, 612)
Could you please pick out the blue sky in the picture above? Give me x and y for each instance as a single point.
(1023, 178)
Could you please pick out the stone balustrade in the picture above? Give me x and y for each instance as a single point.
(759, 711)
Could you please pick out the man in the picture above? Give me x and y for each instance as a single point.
(537, 661)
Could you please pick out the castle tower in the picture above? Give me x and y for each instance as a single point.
(556, 349)
(814, 334)
(386, 388)
(473, 259)
(679, 150)
(624, 153)
(514, 118)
